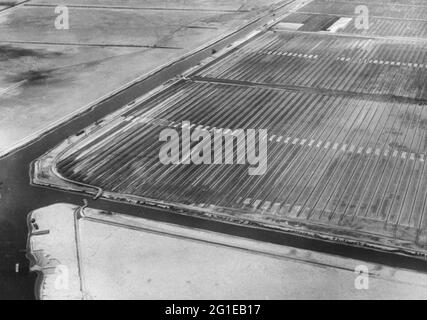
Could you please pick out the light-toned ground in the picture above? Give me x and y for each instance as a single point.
(111, 256)
(47, 74)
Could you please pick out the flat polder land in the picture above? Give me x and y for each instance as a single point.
(48, 76)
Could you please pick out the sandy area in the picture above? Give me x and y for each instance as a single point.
(114, 256)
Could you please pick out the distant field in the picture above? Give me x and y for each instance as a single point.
(390, 10)
(370, 66)
(378, 26)
(385, 2)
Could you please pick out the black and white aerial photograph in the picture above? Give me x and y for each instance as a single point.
(231, 152)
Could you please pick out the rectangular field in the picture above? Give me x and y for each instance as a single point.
(402, 11)
(346, 119)
(324, 62)
(340, 165)
(378, 26)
